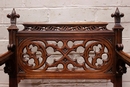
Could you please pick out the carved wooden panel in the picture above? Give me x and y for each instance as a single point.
(63, 55)
(65, 27)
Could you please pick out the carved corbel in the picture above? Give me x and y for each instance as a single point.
(8, 68)
(121, 68)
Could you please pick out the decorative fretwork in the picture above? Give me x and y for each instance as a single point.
(65, 28)
(65, 55)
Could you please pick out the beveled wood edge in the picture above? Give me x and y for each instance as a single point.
(65, 23)
(65, 76)
(6, 56)
(67, 32)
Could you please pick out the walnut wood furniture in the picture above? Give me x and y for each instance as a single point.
(65, 51)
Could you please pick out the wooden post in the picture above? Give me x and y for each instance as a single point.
(119, 65)
(11, 65)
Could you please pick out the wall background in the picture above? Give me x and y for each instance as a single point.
(63, 11)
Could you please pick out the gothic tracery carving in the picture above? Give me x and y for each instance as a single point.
(65, 56)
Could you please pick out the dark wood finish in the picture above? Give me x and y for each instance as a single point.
(82, 50)
(124, 56)
(4, 57)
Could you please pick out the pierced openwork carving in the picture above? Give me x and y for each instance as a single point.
(98, 55)
(65, 55)
(33, 55)
(64, 28)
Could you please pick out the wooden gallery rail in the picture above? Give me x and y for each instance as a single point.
(65, 51)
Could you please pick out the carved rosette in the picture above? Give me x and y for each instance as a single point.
(38, 55)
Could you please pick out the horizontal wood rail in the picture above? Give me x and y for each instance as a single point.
(6, 56)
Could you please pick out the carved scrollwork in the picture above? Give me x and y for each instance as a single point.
(64, 55)
(64, 28)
